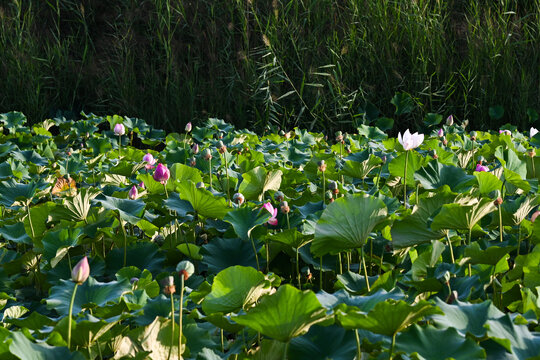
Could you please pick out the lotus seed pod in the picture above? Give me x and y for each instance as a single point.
(185, 268)
(168, 285)
(498, 201)
(207, 154)
(238, 198)
(532, 153)
(284, 206)
(322, 166)
(279, 196)
(193, 162)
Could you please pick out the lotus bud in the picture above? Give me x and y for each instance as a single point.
(348, 149)
(480, 167)
(207, 154)
(333, 186)
(284, 206)
(435, 156)
(133, 280)
(168, 285)
(162, 174)
(440, 133)
(188, 127)
(221, 147)
(141, 185)
(339, 136)
(195, 148)
(70, 151)
(279, 196)
(532, 153)
(445, 142)
(193, 162)
(450, 120)
(149, 158)
(321, 166)
(185, 269)
(81, 271)
(281, 133)
(498, 201)
(199, 185)
(133, 193)
(238, 198)
(119, 129)
(465, 123)
(535, 215)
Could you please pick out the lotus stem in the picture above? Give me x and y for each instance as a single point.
(172, 325)
(323, 188)
(227, 176)
(393, 346)
(71, 313)
(405, 180)
(30, 221)
(255, 252)
(469, 241)
(378, 176)
(298, 270)
(119, 146)
(125, 239)
(358, 348)
(500, 224)
(166, 193)
(222, 340)
(519, 238)
(267, 257)
(340, 264)
(370, 257)
(320, 274)
(210, 171)
(451, 248)
(180, 315)
(286, 350)
(365, 270)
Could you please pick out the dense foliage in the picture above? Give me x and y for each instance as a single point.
(315, 64)
(283, 246)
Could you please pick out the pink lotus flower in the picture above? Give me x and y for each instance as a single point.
(273, 220)
(505, 132)
(480, 167)
(535, 215)
(133, 193)
(119, 129)
(150, 161)
(81, 271)
(162, 174)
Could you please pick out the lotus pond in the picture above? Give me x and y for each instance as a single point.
(218, 243)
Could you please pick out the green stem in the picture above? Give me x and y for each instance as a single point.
(125, 240)
(405, 180)
(519, 238)
(180, 315)
(298, 270)
(323, 188)
(119, 146)
(340, 264)
(255, 252)
(222, 340)
(365, 270)
(166, 193)
(533, 168)
(320, 274)
(370, 256)
(500, 224)
(358, 348)
(392, 346)
(267, 257)
(286, 350)
(210, 171)
(378, 176)
(71, 313)
(172, 325)
(30, 222)
(227, 175)
(469, 242)
(288, 223)
(451, 248)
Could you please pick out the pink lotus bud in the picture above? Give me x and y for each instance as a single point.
(141, 185)
(195, 148)
(188, 127)
(440, 133)
(535, 215)
(162, 174)
(450, 120)
(81, 271)
(149, 158)
(119, 129)
(133, 193)
(480, 167)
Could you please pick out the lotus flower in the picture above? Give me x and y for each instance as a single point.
(162, 174)
(150, 161)
(533, 132)
(119, 129)
(505, 132)
(480, 167)
(410, 141)
(535, 215)
(440, 133)
(188, 127)
(81, 271)
(273, 220)
(133, 193)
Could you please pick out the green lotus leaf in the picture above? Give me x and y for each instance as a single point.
(462, 215)
(284, 315)
(56, 244)
(516, 180)
(491, 256)
(315, 345)
(26, 349)
(181, 173)
(16, 194)
(257, 181)
(366, 303)
(466, 318)
(515, 338)
(429, 343)
(487, 182)
(434, 175)
(397, 166)
(386, 318)
(203, 201)
(346, 224)
(222, 253)
(235, 288)
(143, 255)
(290, 237)
(128, 210)
(244, 220)
(90, 294)
(511, 161)
(16, 233)
(182, 207)
(403, 102)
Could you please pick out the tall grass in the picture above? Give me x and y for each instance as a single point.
(311, 63)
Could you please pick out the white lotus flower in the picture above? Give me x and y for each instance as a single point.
(410, 141)
(533, 131)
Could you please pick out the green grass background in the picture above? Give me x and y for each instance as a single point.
(319, 64)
